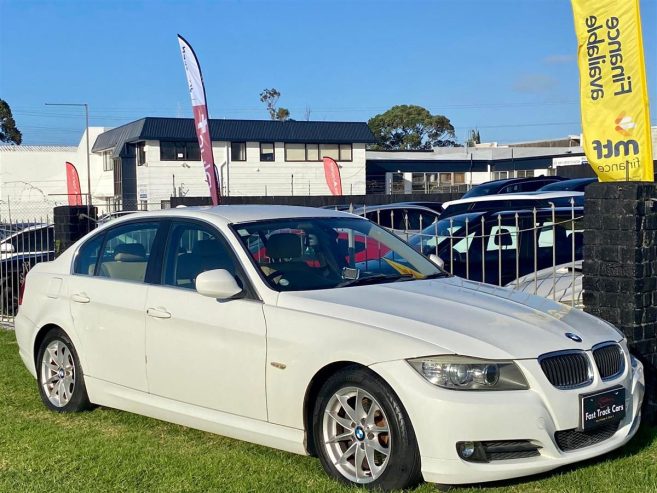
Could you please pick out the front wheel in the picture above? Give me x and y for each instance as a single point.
(59, 374)
(362, 433)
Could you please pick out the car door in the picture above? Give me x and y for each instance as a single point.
(108, 298)
(200, 350)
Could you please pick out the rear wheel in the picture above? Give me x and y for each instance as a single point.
(59, 375)
(362, 433)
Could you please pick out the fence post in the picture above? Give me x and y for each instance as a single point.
(620, 269)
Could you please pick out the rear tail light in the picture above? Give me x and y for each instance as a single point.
(21, 291)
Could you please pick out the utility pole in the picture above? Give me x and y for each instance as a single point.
(86, 117)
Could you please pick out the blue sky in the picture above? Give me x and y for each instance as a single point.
(506, 67)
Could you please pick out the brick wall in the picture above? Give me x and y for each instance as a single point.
(620, 268)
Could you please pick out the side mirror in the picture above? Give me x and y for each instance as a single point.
(6, 248)
(437, 260)
(217, 283)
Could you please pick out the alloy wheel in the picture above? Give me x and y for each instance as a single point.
(58, 373)
(356, 435)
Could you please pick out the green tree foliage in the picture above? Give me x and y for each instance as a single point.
(8, 131)
(474, 138)
(410, 127)
(270, 98)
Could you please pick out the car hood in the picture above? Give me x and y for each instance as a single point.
(458, 316)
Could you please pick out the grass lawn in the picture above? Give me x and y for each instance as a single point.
(109, 450)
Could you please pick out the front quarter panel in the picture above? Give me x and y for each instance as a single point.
(304, 343)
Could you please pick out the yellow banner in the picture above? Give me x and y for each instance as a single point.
(614, 94)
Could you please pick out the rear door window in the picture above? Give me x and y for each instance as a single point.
(126, 252)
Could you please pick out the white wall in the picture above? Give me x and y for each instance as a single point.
(33, 178)
(155, 178)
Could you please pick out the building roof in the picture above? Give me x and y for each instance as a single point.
(461, 159)
(23, 148)
(182, 129)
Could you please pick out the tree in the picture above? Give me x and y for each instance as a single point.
(410, 127)
(474, 138)
(270, 98)
(8, 131)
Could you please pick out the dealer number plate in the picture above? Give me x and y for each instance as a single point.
(602, 408)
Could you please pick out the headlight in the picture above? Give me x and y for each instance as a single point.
(464, 373)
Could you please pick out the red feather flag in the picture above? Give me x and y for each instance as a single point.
(332, 173)
(73, 185)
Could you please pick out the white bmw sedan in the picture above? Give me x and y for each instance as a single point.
(318, 332)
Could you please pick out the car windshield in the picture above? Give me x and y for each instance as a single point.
(432, 237)
(483, 189)
(567, 186)
(324, 253)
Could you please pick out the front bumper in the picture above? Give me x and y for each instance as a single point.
(443, 417)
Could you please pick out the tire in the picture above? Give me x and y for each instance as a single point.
(59, 374)
(348, 438)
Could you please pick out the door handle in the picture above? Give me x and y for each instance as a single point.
(158, 313)
(81, 298)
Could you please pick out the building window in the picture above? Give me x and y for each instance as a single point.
(445, 178)
(316, 152)
(266, 151)
(418, 184)
(295, 152)
(141, 153)
(500, 175)
(238, 151)
(459, 178)
(527, 173)
(345, 152)
(312, 152)
(108, 161)
(397, 183)
(330, 150)
(179, 151)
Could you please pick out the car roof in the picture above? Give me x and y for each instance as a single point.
(567, 183)
(544, 211)
(395, 206)
(514, 196)
(236, 213)
(32, 227)
(505, 181)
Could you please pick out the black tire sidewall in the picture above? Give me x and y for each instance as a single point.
(403, 469)
(79, 401)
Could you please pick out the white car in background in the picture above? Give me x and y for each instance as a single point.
(259, 323)
(512, 201)
(562, 283)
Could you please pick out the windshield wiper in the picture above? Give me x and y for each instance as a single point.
(375, 279)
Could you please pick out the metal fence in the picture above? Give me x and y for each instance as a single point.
(537, 251)
(24, 242)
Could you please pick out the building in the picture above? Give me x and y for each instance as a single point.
(144, 163)
(456, 168)
(153, 159)
(33, 178)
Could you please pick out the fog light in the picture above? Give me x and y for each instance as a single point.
(467, 449)
(471, 451)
